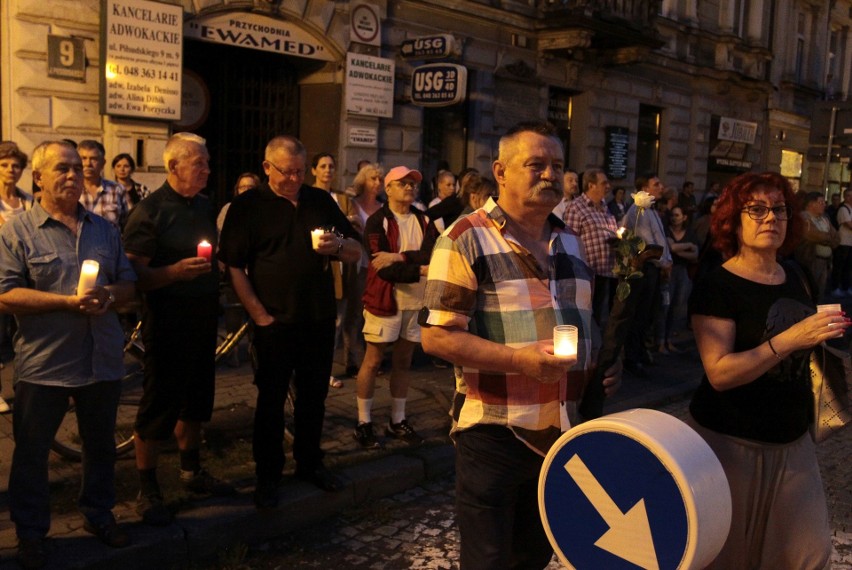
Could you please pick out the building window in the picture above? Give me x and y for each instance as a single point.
(648, 140)
(740, 16)
(559, 112)
(800, 48)
(791, 166)
(831, 66)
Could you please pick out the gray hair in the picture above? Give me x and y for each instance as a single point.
(181, 145)
(40, 152)
(289, 144)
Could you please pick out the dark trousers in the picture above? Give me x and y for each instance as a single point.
(38, 412)
(647, 290)
(840, 270)
(603, 296)
(305, 349)
(497, 502)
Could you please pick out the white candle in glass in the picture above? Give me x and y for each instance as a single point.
(315, 236)
(620, 232)
(827, 308)
(565, 340)
(88, 275)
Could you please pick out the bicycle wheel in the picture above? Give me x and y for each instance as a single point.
(67, 442)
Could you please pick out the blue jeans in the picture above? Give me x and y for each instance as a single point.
(37, 414)
(497, 501)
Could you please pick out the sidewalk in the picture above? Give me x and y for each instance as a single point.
(204, 529)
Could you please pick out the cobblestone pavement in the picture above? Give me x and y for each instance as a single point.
(416, 529)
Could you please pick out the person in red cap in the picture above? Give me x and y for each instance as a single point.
(399, 239)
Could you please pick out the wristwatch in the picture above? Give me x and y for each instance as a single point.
(111, 299)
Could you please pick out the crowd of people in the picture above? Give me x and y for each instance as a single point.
(479, 273)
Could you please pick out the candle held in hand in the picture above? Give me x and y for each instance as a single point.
(88, 275)
(565, 340)
(315, 237)
(205, 250)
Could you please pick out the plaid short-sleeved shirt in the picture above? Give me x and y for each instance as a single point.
(110, 203)
(596, 226)
(481, 280)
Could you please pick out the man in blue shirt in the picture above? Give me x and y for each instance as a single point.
(69, 346)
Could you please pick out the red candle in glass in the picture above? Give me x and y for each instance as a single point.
(205, 250)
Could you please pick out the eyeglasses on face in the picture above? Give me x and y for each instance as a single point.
(404, 184)
(759, 212)
(296, 173)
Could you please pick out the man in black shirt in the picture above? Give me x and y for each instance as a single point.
(282, 275)
(179, 322)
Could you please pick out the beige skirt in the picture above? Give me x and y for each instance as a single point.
(779, 519)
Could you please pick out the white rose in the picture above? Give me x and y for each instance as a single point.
(643, 199)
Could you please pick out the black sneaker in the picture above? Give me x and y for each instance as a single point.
(31, 553)
(153, 510)
(109, 533)
(404, 432)
(365, 437)
(266, 495)
(203, 483)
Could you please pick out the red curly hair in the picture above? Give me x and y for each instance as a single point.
(726, 219)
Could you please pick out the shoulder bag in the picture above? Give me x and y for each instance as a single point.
(831, 383)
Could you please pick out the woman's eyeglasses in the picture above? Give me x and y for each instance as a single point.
(758, 212)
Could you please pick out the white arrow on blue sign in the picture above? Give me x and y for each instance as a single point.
(639, 489)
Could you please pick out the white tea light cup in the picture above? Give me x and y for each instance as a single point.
(565, 340)
(828, 308)
(88, 275)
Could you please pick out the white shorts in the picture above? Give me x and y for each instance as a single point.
(388, 329)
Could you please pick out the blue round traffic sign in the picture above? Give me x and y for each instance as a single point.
(634, 490)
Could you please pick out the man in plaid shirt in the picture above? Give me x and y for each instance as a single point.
(498, 282)
(103, 197)
(590, 219)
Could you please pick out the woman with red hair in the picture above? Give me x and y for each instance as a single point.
(755, 325)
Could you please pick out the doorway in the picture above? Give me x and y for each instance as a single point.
(254, 96)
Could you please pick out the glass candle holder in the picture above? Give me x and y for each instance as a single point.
(565, 340)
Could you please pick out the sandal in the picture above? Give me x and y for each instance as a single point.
(334, 382)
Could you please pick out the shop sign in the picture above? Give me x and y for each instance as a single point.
(369, 85)
(616, 152)
(430, 47)
(730, 154)
(253, 31)
(66, 58)
(195, 102)
(438, 84)
(363, 136)
(365, 24)
(141, 59)
(736, 130)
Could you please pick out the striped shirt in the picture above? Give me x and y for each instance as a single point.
(481, 280)
(596, 226)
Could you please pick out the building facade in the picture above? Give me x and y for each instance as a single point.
(694, 90)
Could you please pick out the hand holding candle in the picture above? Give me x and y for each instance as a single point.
(205, 250)
(565, 340)
(88, 276)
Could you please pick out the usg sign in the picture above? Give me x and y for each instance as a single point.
(438, 85)
(425, 47)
